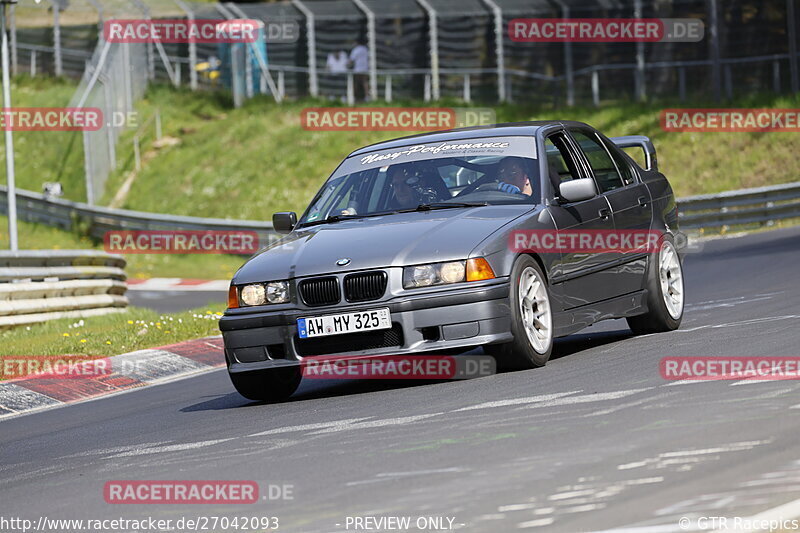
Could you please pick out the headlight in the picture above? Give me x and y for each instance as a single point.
(433, 274)
(420, 276)
(475, 269)
(452, 272)
(274, 292)
(253, 295)
(278, 292)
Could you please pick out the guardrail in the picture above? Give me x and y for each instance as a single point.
(36, 207)
(761, 205)
(41, 285)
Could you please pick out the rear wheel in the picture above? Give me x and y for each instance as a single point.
(531, 319)
(665, 293)
(273, 385)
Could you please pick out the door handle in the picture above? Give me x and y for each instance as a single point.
(604, 213)
(643, 201)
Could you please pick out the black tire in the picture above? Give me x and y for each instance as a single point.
(520, 354)
(274, 385)
(658, 318)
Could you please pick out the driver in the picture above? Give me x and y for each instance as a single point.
(404, 195)
(513, 177)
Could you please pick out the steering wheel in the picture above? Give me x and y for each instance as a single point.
(490, 186)
(475, 186)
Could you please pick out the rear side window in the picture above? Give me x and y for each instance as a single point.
(605, 171)
(623, 165)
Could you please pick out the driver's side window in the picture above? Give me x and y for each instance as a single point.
(561, 165)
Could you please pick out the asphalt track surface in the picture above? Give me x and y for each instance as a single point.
(595, 440)
(172, 301)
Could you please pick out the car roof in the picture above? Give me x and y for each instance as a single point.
(508, 129)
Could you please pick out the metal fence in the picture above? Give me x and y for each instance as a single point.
(115, 78)
(431, 49)
(455, 48)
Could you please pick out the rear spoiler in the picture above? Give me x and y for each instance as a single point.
(640, 141)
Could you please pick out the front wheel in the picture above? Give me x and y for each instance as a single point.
(665, 293)
(273, 385)
(531, 319)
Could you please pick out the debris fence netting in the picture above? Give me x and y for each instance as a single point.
(749, 51)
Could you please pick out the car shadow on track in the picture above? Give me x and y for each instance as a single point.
(315, 389)
(312, 389)
(586, 341)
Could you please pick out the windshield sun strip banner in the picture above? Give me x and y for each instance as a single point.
(520, 146)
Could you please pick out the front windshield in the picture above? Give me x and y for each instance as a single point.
(392, 183)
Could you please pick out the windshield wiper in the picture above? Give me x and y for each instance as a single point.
(338, 218)
(421, 207)
(331, 219)
(447, 205)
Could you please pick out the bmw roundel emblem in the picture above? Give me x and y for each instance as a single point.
(344, 261)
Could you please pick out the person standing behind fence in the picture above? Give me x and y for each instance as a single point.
(359, 59)
(336, 65)
(337, 62)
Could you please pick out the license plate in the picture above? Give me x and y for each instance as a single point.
(320, 326)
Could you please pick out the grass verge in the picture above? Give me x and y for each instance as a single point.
(108, 335)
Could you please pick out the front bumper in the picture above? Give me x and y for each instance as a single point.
(428, 322)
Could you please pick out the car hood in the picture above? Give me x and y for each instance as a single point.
(383, 241)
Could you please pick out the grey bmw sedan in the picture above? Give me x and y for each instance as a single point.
(504, 237)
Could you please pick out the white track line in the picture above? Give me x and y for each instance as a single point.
(517, 401)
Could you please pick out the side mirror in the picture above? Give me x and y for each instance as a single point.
(577, 190)
(284, 222)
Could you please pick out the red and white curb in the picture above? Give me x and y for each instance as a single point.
(178, 284)
(128, 371)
